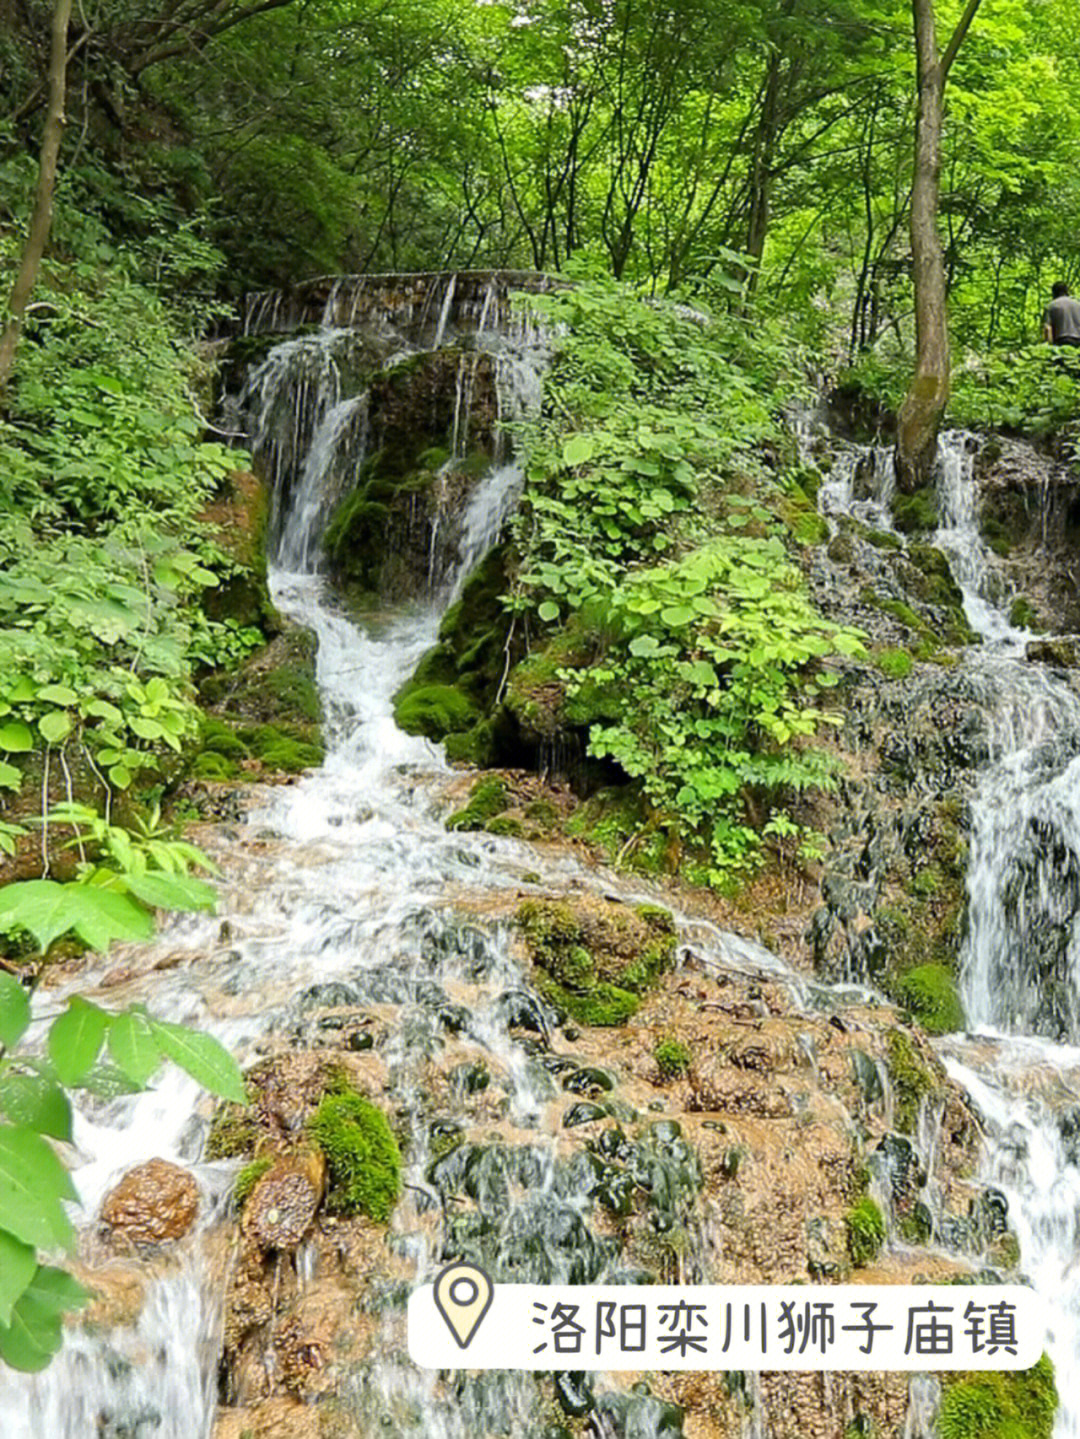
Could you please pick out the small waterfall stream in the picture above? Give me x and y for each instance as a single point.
(1020, 965)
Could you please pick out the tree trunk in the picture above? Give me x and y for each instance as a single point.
(41, 220)
(922, 410)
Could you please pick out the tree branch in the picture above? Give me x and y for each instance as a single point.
(958, 37)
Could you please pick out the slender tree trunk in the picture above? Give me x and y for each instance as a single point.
(924, 407)
(41, 220)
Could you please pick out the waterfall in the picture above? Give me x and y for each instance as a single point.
(1020, 963)
(347, 883)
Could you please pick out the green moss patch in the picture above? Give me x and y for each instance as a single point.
(894, 664)
(362, 1155)
(865, 1226)
(916, 512)
(912, 1079)
(248, 1177)
(597, 959)
(672, 1058)
(488, 799)
(434, 710)
(929, 993)
(1000, 1405)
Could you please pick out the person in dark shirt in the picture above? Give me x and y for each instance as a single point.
(1061, 318)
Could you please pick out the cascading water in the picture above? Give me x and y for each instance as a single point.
(1020, 966)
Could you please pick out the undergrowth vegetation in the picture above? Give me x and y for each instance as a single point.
(654, 582)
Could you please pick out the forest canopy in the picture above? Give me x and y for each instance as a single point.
(693, 144)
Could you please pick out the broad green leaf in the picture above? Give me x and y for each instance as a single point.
(36, 1329)
(57, 695)
(548, 611)
(202, 1057)
(10, 777)
(18, 1265)
(132, 1045)
(55, 726)
(48, 909)
(643, 646)
(75, 1039)
(169, 891)
(14, 1010)
(37, 1102)
(32, 1184)
(16, 738)
(578, 450)
(120, 776)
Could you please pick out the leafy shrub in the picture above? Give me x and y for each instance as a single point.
(361, 1153)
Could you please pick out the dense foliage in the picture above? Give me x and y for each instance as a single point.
(655, 536)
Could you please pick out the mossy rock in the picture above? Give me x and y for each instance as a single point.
(912, 1079)
(894, 664)
(289, 748)
(928, 992)
(234, 1132)
(362, 1155)
(1024, 616)
(915, 513)
(884, 540)
(598, 958)
(248, 1177)
(996, 536)
(865, 1226)
(672, 1058)
(487, 799)
(995, 1404)
(434, 710)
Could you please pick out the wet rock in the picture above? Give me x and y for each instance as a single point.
(574, 1393)
(638, 1416)
(521, 1010)
(1062, 652)
(583, 1113)
(282, 1207)
(153, 1203)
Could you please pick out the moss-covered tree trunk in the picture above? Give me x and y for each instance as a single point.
(922, 411)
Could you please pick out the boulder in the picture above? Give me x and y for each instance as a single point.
(153, 1203)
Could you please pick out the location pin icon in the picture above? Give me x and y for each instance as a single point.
(463, 1295)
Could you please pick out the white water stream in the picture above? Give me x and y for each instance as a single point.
(1020, 967)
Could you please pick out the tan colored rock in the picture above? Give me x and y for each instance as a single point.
(282, 1206)
(153, 1203)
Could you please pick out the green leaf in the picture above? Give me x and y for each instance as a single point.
(644, 646)
(14, 1010)
(548, 611)
(37, 1102)
(57, 695)
(578, 450)
(120, 775)
(75, 1039)
(55, 726)
(16, 738)
(32, 1184)
(48, 909)
(36, 1329)
(18, 1265)
(167, 891)
(132, 1045)
(10, 777)
(203, 1058)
